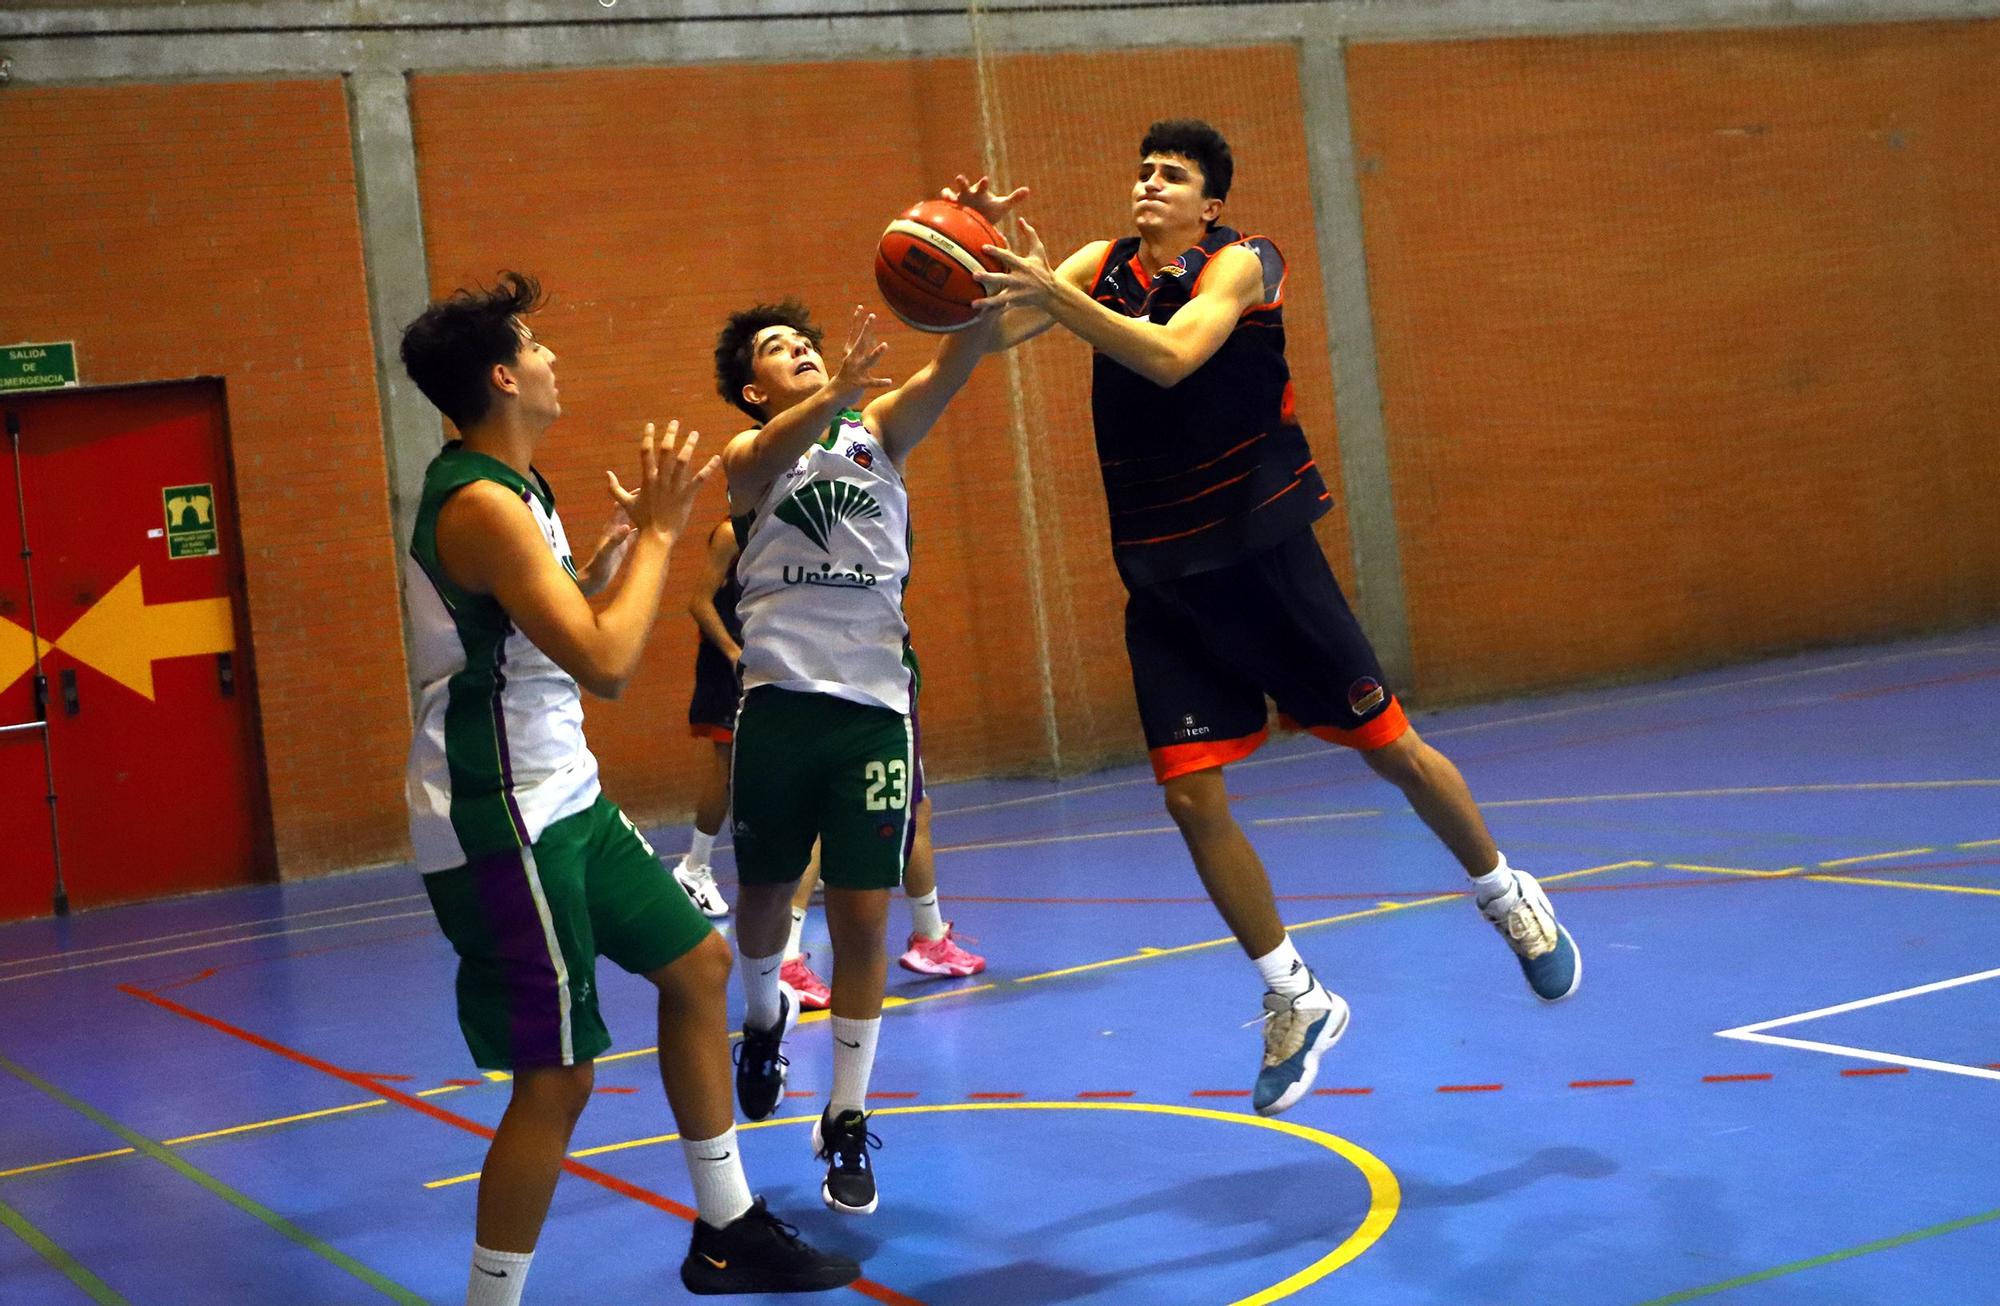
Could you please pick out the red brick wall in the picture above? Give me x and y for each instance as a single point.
(653, 201)
(212, 229)
(1689, 344)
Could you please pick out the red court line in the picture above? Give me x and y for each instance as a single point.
(1220, 1092)
(1600, 1083)
(1732, 1079)
(615, 1090)
(1342, 1092)
(1876, 1070)
(893, 1097)
(1469, 1088)
(866, 1287)
(464, 1083)
(1108, 1092)
(192, 979)
(1880, 690)
(995, 1097)
(800, 1092)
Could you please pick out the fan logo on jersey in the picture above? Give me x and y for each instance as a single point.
(859, 453)
(820, 506)
(1365, 695)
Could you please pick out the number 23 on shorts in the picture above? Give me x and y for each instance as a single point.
(892, 776)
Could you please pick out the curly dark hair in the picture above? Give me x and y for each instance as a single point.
(451, 349)
(1200, 144)
(732, 346)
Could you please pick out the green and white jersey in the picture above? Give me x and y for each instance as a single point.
(498, 754)
(826, 556)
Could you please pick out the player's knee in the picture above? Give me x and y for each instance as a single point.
(702, 969)
(1401, 761)
(556, 1090)
(1198, 808)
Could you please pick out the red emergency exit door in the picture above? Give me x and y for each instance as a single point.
(145, 699)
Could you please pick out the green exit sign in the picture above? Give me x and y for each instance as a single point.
(37, 367)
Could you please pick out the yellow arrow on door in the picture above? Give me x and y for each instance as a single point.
(122, 635)
(17, 653)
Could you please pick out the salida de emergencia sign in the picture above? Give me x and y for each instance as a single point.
(37, 367)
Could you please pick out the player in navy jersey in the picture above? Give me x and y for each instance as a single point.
(1212, 493)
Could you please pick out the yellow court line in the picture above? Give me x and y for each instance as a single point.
(1385, 1194)
(1878, 857)
(196, 1138)
(68, 1160)
(1979, 843)
(1148, 954)
(1905, 884)
(1733, 870)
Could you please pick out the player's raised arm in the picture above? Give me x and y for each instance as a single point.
(489, 543)
(1163, 353)
(757, 457)
(906, 414)
(721, 557)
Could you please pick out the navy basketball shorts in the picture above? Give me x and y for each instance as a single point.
(1207, 649)
(712, 708)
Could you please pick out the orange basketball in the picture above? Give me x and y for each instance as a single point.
(926, 263)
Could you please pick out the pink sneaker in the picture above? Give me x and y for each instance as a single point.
(813, 993)
(941, 957)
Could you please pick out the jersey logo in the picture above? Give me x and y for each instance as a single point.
(859, 455)
(819, 507)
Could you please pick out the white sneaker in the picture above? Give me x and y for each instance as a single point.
(1548, 955)
(1297, 1031)
(700, 885)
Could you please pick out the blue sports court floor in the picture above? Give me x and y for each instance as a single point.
(1778, 1083)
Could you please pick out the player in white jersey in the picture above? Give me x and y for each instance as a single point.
(531, 872)
(826, 738)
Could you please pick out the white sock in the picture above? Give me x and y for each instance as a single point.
(697, 858)
(1284, 971)
(496, 1277)
(716, 1166)
(853, 1062)
(925, 917)
(794, 946)
(760, 991)
(1495, 882)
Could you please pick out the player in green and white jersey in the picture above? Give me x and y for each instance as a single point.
(530, 871)
(826, 738)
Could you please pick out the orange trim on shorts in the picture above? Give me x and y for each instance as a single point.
(1379, 733)
(720, 734)
(1185, 759)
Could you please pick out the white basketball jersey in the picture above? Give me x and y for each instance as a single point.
(823, 571)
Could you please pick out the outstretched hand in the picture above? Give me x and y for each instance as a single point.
(669, 481)
(1027, 278)
(609, 554)
(855, 375)
(982, 198)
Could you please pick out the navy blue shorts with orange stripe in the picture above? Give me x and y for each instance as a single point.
(1207, 649)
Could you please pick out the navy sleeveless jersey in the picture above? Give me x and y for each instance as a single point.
(1212, 470)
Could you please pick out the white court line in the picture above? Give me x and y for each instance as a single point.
(212, 943)
(211, 929)
(1753, 1033)
(1523, 718)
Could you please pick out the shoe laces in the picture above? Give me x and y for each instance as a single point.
(785, 1232)
(1284, 1025)
(846, 1145)
(766, 1051)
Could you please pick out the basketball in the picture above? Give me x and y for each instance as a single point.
(927, 263)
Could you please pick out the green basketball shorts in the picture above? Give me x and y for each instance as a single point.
(812, 766)
(529, 924)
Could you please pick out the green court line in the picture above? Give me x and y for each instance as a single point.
(248, 1205)
(1814, 1262)
(99, 1291)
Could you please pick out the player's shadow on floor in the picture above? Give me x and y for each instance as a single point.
(1249, 1200)
(1548, 1163)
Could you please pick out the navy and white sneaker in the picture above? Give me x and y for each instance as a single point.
(1548, 955)
(760, 1066)
(1297, 1032)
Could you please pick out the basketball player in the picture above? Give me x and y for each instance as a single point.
(933, 949)
(826, 738)
(530, 870)
(1213, 493)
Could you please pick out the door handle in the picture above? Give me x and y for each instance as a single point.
(41, 697)
(225, 674)
(70, 707)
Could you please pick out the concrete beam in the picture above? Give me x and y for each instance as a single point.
(154, 42)
(392, 243)
(1368, 494)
